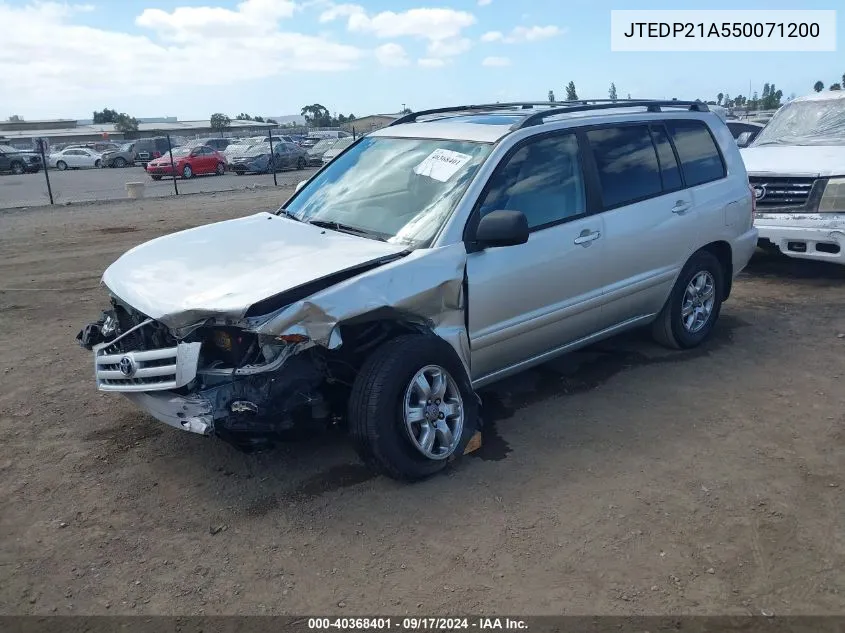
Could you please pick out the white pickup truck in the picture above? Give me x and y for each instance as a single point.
(796, 167)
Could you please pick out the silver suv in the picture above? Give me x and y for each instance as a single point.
(440, 254)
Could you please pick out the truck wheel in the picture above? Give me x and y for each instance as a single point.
(694, 304)
(412, 407)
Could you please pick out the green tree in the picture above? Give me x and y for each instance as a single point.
(124, 123)
(259, 119)
(15, 118)
(835, 87)
(818, 86)
(316, 115)
(612, 92)
(220, 122)
(719, 98)
(571, 95)
(771, 97)
(105, 116)
(351, 117)
(243, 116)
(273, 121)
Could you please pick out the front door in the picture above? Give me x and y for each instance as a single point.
(530, 299)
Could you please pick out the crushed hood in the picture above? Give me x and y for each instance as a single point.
(222, 269)
(795, 160)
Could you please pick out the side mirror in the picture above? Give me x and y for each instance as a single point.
(502, 228)
(743, 139)
(300, 185)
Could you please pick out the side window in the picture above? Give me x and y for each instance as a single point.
(700, 158)
(626, 163)
(668, 163)
(542, 179)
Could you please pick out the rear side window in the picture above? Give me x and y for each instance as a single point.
(626, 163)
(700, 158)
(669, 170)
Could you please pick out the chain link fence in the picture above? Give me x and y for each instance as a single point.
(57, 173)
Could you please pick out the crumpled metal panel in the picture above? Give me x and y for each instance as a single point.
(426, 286)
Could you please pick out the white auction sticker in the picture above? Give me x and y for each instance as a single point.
(442, 164)
(725, 30)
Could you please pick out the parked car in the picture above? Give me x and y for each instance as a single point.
(315, 153)
(341, 144)
(18, 161)
(74, 158)
(744, 131)
(124, 156)
(797, 167)
(259, 159)
(218, 144)
(435, 256)
(147, 149)
(188, 162)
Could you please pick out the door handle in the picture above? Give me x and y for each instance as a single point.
(681, 206)
(587, 237)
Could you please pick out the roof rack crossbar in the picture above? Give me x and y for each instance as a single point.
(525, 105)
(652, 105)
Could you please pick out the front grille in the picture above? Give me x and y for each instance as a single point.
(782, 191)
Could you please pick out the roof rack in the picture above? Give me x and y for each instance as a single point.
(652, 105)
(552, 108)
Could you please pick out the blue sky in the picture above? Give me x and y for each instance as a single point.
(189, 58)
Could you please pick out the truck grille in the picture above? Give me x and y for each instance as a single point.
(782, 191)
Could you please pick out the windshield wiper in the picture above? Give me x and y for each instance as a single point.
(288, 214)
(346, 228)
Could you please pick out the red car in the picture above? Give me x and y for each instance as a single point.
(188, 162)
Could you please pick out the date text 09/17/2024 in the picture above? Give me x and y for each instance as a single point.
(417, 624)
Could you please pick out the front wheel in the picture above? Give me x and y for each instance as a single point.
(412, 407)
(300, 164)
(119, 162)
(98, 163)
(18, 168)
(187, 172)
(61, 165)
(693, 307)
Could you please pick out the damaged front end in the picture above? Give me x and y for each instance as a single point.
(281, 366)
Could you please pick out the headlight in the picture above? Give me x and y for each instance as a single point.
(833, 198)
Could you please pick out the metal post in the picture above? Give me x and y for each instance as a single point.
(172, 166)
(272, 158)
(44, 163)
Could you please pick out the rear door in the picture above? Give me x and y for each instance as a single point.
(649, 216)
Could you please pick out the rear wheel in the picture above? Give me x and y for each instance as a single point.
(693, 307)
(119, 162)
(412, 407)
(61, 165)
(18, 168)
(221, 169)
(98, 163)
(156, 177)
(187, 172)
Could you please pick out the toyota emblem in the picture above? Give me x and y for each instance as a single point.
(127, 366)
(760, 192)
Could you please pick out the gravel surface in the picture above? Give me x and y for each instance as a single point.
(624, 479)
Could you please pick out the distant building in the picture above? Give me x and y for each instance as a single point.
(71, 131)
(370, 123)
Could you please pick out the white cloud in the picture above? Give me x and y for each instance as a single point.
(72, 67)
(448, 48)
(391, 55)
(431, 24)
(484, 3)
(340, 11)
(429, 62)
(523, 34)
(496, 61)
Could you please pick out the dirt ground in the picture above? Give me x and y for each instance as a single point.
(625, 479)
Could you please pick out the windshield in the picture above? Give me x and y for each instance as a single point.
(257, 150)
(342, 144)
(322, 146)
(394, 189)
(180, 151)
(126, 147)
(817, 122)
(8, 149)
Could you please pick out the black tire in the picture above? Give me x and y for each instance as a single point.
(221, 169)
(17, 168)
(61, 165)
(376, 406)
(301, 163)
(119, 162)
(239, 173)
(98, 163)
(187, 172)
(668, 329)
(156, 177)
